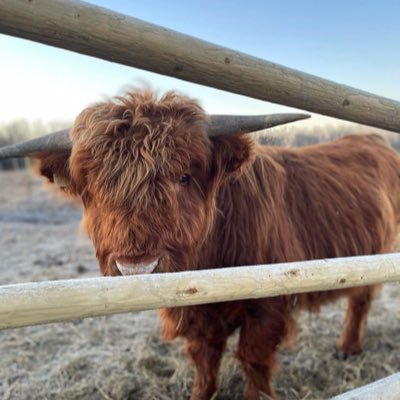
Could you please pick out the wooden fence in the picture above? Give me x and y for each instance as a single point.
(98, 32)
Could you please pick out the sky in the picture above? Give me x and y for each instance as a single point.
(351, 42)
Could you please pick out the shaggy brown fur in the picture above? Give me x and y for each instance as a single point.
(243, 204)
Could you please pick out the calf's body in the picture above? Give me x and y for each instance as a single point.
(331, 200)
(159, 195)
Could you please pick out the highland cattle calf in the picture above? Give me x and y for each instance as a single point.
(160, 195)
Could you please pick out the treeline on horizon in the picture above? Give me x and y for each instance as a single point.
(287, 135)
(292, 136)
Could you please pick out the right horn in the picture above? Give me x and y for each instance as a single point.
(231, 124)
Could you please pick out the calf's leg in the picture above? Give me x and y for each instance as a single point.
(351, 339)
(206, 357)
(264, 327)
(205, 329)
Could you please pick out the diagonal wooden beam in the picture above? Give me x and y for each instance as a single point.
(98, 32)
(384, 389)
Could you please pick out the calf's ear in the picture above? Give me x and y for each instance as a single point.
(55, 167)
(232, 155)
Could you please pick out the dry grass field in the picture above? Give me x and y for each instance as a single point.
(122, 356)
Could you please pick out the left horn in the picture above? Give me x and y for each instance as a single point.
(231, 124)
(53, 142)
(217, 125)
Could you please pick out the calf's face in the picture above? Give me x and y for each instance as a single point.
(148, 176)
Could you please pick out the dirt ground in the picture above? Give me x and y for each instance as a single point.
(122, 356)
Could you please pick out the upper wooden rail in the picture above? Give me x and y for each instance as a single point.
(112, 36)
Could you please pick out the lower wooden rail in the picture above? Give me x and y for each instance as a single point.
(55, 301)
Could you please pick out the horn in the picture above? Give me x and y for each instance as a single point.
(53, 142)
(231, 124)
(217, 125)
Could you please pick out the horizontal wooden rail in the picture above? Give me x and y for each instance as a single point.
(112, 36)
(384, 389)
(44, 302)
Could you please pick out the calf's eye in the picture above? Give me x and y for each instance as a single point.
(184, 179)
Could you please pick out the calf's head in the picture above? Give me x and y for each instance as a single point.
(148, 171)
(147, 174)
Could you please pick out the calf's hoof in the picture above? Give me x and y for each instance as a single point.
(345, 355)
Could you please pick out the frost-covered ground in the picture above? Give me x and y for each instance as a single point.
(122, 356)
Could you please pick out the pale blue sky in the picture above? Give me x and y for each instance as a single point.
(351, 42)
